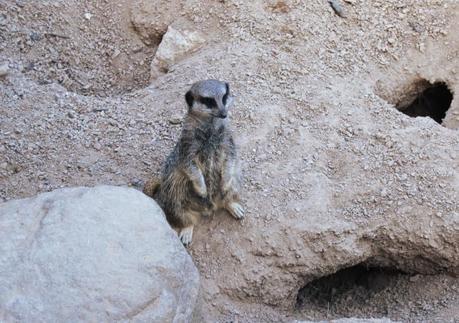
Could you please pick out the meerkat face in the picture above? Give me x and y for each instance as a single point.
(209, 98)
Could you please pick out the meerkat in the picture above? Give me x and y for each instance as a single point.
(202, 173)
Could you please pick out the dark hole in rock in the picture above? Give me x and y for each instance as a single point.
(428, 100)
(373, 290)
(359, 281)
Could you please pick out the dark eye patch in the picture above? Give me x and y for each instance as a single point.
(225, 98)
(209, 102)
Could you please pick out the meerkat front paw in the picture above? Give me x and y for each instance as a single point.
(236, 210)
(197, 179)
(186, 235)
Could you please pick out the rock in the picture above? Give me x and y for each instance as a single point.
(151, 18)
(4, 69)
(175, 120)
(337, 8)
(97, 146)
(137, 183)
(92, 254)
(35, 36)
(175, 45)
(415, 278)
(116, 53)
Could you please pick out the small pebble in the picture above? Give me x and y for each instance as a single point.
(415, 278)
(337, 8)
(35, 36)
(175, 120)
(4, 70)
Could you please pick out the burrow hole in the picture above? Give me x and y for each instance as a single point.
(427, 100)
(369, 290)
(352, 283)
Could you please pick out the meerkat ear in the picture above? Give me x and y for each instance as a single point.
(227, 98)
(189, 99)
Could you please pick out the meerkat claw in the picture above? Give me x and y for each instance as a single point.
(186, 235)
(236, 210)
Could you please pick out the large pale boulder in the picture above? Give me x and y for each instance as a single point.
(92, 254)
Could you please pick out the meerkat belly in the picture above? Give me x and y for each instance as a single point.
(213, 176)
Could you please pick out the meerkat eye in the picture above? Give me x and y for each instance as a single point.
(225, 98)
(209, 102)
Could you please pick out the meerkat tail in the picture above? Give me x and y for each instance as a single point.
(151, 187)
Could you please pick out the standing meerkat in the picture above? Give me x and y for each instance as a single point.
(202, 173)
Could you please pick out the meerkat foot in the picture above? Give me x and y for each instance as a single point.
(186, 235)
(236, 210)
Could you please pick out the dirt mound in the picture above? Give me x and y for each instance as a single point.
(88, 47)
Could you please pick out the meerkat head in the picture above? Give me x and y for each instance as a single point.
(209, 98)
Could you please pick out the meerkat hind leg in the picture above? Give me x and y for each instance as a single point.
(229, 179)
(186, 235)
(228, 176)
(189, 219)
(236, 210)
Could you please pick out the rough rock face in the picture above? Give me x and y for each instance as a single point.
(174, 46)
(151, 18)
(92, 254)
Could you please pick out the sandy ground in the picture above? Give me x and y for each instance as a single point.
(78, 108)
